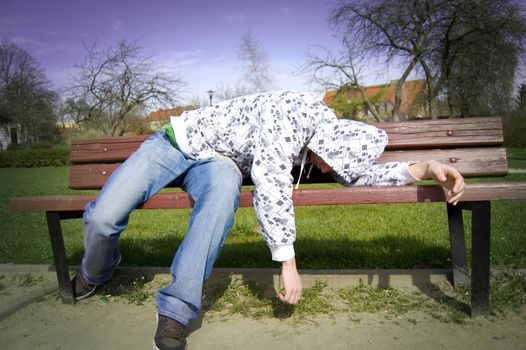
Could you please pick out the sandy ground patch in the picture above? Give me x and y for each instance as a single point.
(47, 324)
(117, 321)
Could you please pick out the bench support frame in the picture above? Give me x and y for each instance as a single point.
(480, 252)
(59, 252)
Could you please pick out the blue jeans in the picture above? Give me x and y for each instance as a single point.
(214, 185)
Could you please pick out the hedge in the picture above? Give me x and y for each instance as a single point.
(34, 158)
(514, 125)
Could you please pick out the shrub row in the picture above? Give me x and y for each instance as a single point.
(514, 125)
(34, 158)
(32, 145)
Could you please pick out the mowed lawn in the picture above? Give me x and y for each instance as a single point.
(365, 236)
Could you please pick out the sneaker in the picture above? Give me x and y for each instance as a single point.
(82, 288)
(170, 335)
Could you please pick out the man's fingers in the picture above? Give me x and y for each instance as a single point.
(460, 185)
(441, 177)
(290, 296)
(291, 283)
(453, 185)
(453, 199)
(438, 173)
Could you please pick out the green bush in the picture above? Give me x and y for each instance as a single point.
(58, 156)
(32, 145)
(514, 126)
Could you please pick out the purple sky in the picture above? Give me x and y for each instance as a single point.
(198, 39)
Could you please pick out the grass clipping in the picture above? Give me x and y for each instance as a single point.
(257, 301)
(441, 302)
(250, 300)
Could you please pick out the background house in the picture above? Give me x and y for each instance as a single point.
(159, 118)
(9, 134)
(348, 102)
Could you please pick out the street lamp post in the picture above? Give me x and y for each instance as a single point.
(210, 94)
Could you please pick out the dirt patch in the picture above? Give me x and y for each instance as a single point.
(48, 324)
(245, 316)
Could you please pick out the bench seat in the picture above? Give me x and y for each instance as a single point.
(301, 197)
(474, 146)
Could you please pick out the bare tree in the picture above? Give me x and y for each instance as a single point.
(197, 101)
(26, 97)
(395, 30)
(339, 72)
(256, 63)
(521, 99)
(115, 82)
(227, 92)
(75, 111)
(467, 49)
(480, 47)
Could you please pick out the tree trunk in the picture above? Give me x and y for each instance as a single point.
(370, 107)
(398, 91)
(430, 92)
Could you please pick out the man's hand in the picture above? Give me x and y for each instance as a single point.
(447, 176)
(291, 281)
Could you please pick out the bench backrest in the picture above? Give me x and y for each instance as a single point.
(472, 145)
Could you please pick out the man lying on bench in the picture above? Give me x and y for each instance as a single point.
(207, 152)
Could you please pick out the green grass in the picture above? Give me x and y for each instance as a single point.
(250, 300)
(26, 280)
(258, 300)
(362, 236)
(517, 158)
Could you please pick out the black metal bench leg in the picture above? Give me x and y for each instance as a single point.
(458, 245)
(480, 251)
(59, 256)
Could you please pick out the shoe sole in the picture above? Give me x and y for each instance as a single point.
(155, 345)
(87, 295)
(156, 348)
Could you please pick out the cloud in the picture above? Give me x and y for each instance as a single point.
(39, 47)
(285, 11)
(12, 27)
(184, 58)
(179, 61)
(18, 25)
(234, 17)
(116, 24)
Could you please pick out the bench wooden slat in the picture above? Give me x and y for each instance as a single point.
(114, 149)
(413, 127)
(446, 133)
(434, 139)
(301, 197)
(469, 161)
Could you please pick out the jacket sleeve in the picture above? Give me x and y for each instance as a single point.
(385, 174)
(271, 174)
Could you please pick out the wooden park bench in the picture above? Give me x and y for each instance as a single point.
(473, 146)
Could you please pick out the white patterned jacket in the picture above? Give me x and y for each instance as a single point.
(266, 134)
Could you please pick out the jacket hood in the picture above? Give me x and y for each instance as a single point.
(348, 146)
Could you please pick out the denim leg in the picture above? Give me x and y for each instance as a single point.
(215, 187)
(154, 165)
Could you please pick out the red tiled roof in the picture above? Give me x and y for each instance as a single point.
(163, 115)
(411, 93)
